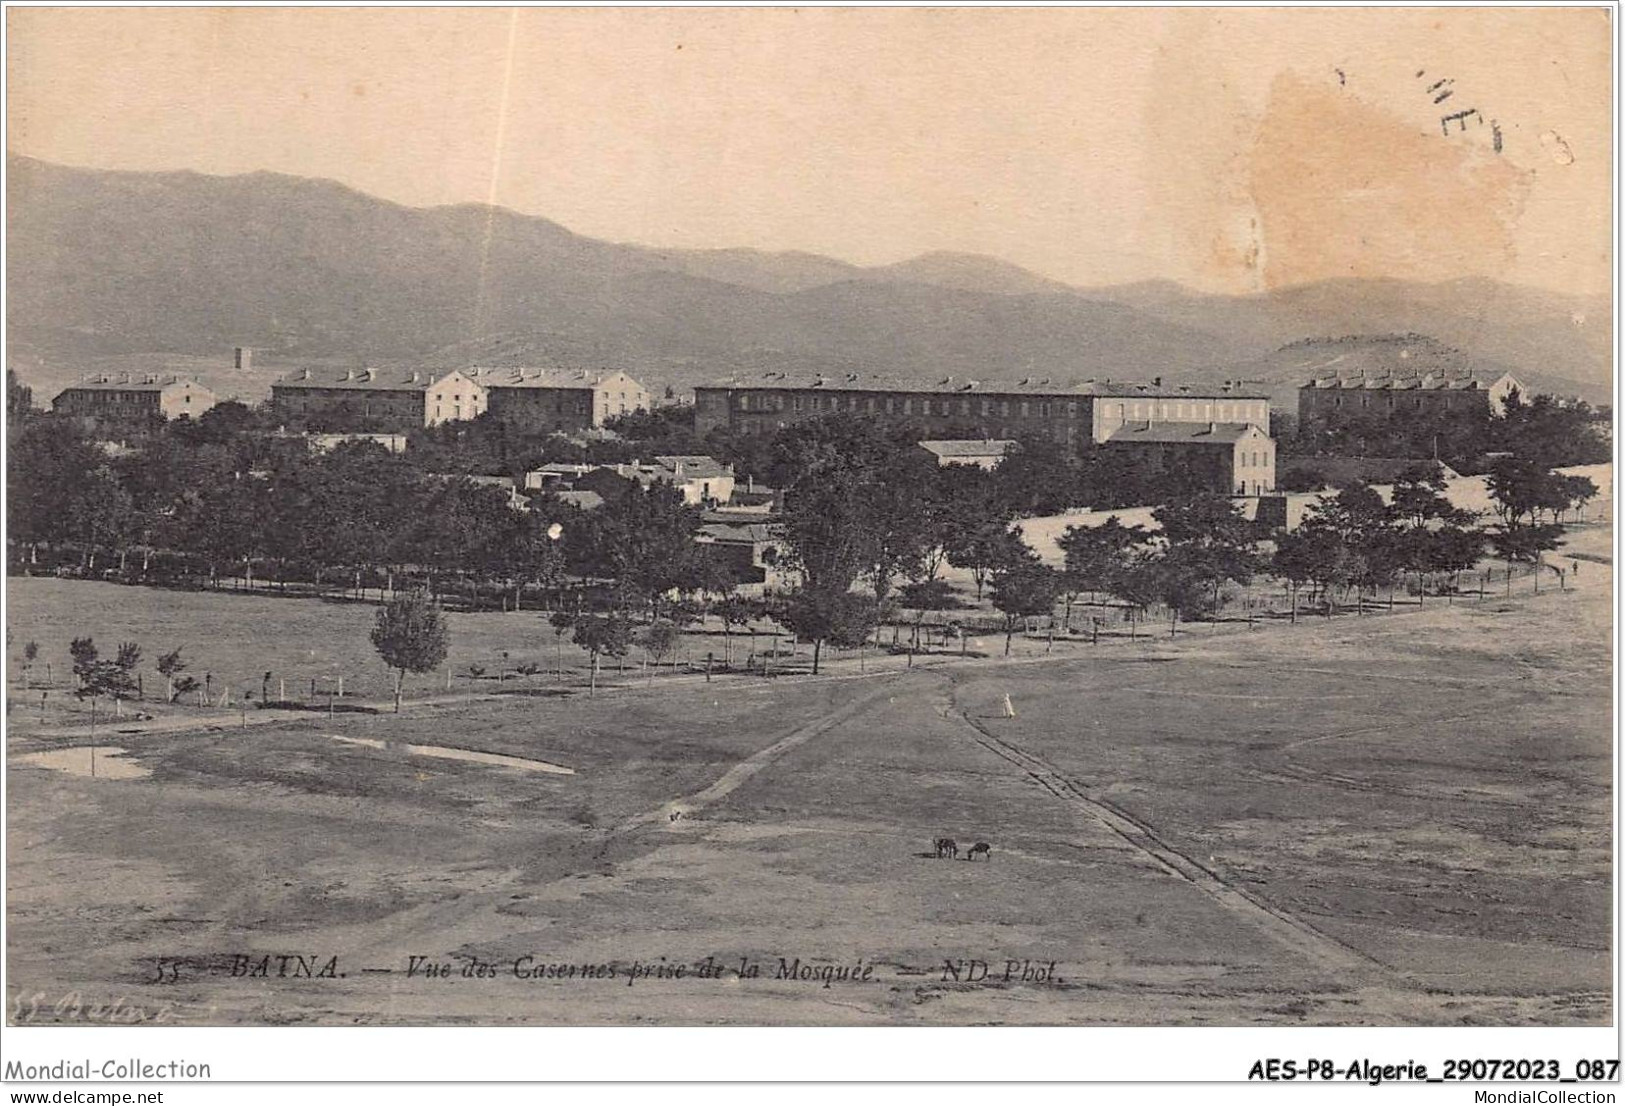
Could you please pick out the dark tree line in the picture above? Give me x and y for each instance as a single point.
(1543, 429)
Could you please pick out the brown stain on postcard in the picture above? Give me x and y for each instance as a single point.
(1346, 189)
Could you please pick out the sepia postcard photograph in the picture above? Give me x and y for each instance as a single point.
(810, 517)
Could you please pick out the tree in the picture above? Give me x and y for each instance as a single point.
(1305, 479)
(602, 636)
(734, 611)
(1140, 584)
(100, 512)
(47, 464)
(19, 400)
(1429, 536)
(170, 665)
(30, 654)
(1180, 578)
(562, 622)
(1023, 588)
(1208, 540)
(1456, 549)
(1036, 477)
(1097, 557)
(85, 656)
(844, 619)
(411, 635)
(1354, 538)
(658, 640)
(984, 546)
(921, 596)
(643, 541)
(1547, 432)
(897, 508)
(826, 530)
(98, 677)
(1526, 493)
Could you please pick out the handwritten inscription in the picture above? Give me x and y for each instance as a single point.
(74, 1007)
(1440, 91)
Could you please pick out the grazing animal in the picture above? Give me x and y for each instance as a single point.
(981, 847)
(945, 847)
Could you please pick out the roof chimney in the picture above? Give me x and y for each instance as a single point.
(349, 374)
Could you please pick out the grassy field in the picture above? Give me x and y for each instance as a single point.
(235, 639)
(1377, 820)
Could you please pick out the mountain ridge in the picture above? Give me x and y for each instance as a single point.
(110, 264)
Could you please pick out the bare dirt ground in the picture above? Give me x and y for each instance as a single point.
(1376, 820)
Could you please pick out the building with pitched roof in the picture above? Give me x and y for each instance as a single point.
(1063, 410)
(984, 453)
(1231, 458)
(560, 399)
(134, 399)
(1336, 400)
(392, 400)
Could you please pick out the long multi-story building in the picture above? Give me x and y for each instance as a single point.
(131, 400)
(1333, 400)
(560, 399)
(984, 408)
(378, 399)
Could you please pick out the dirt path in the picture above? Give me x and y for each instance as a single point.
(1347, 963)
(675, 811)
(473, 919)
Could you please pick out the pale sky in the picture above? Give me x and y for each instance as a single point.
(1227, 149)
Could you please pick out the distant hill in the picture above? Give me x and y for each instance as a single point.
(1380, 355)
(152, 269)
(1558, 343)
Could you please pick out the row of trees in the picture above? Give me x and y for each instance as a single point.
(869, 525)
(1542, 429)
(355, 514)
